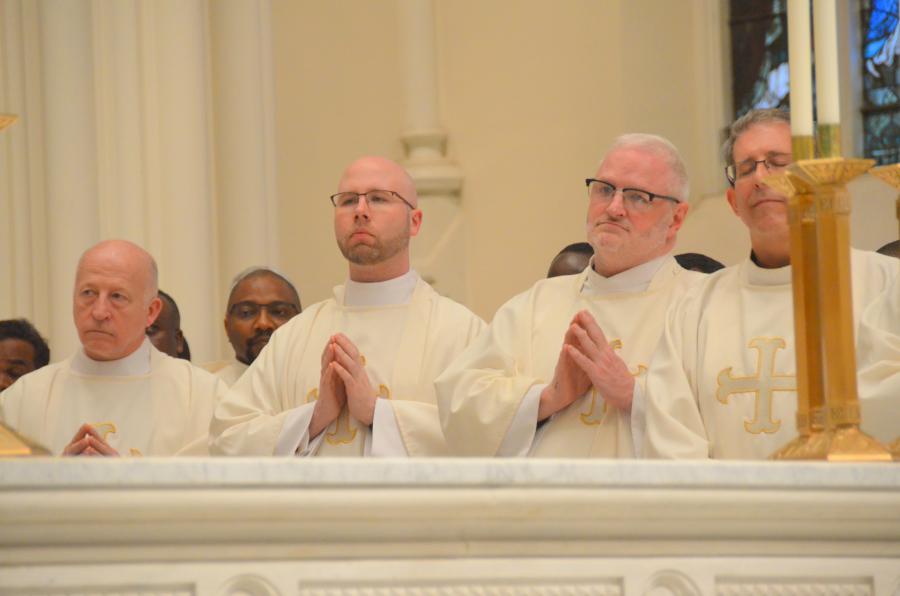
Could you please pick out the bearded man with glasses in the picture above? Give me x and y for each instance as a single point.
(353, 375)
(260, 301)
(560, 370)
(722, 382)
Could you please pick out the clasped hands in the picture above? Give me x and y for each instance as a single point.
(586, 359)
(343, 380)
(87, 441)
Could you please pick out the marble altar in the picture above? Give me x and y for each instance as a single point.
(447, 527)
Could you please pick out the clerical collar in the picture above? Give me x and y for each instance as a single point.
(135, 364)
(760, 276)
(630, 281)
(381, 293)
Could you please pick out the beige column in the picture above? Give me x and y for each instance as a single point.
(244, 115)
(23, 241)
(70, 154)
(180, 209)
(439, 252)
(121, 148)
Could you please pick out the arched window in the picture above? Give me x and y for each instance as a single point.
(759, 54)
(760, 70)
(881, 105)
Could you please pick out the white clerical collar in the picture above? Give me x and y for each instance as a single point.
(759, 276)
(135, 364)
(630, 281)
(381, 293)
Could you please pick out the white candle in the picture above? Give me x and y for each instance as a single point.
(800, 63)
(827, 91)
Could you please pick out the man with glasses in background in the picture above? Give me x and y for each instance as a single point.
(261, 300)
(722, 382)
(560, 370)
(353, 375)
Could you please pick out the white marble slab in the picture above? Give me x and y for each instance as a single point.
(475, 472)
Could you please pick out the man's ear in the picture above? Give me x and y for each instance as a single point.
(678, 215)
(153, 312)
(415, 221)
(732, 200)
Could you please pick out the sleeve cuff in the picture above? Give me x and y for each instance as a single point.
(386, 438)
(522, 436)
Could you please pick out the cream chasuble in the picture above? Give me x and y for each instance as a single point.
(879, 365)
(146, 404)
(231, 373)
(722, 382)
(480, 394)
(405, 347)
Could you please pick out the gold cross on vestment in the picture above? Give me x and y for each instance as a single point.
(763, 385)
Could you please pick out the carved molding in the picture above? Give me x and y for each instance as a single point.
(120, 590)
(248, 585)
(671, 583)
(611, 588)
(782, 587)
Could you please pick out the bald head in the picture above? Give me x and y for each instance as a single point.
(127, 256)
(114, 299)
(380, 174)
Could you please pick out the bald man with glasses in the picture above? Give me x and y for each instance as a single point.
(560, 370)
(353, 375)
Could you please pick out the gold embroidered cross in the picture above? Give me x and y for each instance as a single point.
(763, 384)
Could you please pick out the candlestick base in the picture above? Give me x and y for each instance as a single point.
(851, 444)
(13, 444)
(894, 448)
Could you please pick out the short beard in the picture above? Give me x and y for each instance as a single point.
(381, 251)
(655, 238)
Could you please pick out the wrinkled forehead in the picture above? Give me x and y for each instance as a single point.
(262, 289)
(110, 271)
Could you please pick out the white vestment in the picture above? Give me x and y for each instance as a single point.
(879, 365)
(489, 397)
(407, 334)
(146, 404)
(722, 382)
(231, 373)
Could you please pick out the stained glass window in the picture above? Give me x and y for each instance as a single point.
(759, 54)
(881, 105)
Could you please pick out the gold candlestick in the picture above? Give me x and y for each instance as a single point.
(829, 178)
(14, 444)
(891, 175)
(814, 439)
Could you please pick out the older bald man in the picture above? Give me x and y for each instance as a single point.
(117, 395)
(353, 375)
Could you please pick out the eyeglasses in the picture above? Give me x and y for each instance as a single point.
(774, 163)
(250, 311)
(634, 199)
(375, 199)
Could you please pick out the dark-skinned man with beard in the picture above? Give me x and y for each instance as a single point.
(353, 375)
(261, 301)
